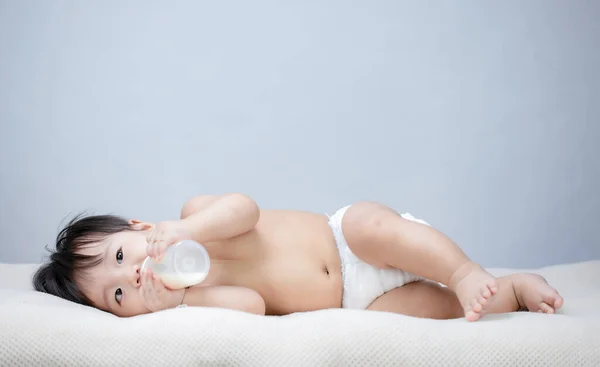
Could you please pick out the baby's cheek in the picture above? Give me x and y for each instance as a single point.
(134, 297)
(137, 303)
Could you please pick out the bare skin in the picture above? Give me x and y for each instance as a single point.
(426, 299)
(278, 262)
(382, 238)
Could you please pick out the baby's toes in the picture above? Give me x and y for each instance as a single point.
(472, 315)
(545, 308)
(486, 292)
(558, 302)
(476, 306)
(482, 301)
(493, 286)
(553, 300)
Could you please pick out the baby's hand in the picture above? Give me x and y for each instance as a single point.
(156, 296)
(165, 234)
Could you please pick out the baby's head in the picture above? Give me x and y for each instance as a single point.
(96, 263)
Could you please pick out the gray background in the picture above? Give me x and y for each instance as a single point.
(479, 117)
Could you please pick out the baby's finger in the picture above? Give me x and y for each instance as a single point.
(156, 249)
(144, 279)
(160, 249)
(150, 279)
(151, 240)
(158, 284)
(150, 298)
(155, 245)
(150, 233)
(149, 248)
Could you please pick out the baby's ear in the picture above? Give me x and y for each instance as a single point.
(138, 225)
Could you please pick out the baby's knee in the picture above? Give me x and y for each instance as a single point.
(366, 219)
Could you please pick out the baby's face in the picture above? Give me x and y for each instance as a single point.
(113, 285)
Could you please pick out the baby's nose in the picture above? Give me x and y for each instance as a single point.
(136, 275)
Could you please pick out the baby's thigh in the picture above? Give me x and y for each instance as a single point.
(420, 299)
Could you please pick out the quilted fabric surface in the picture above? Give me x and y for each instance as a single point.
(37, 329)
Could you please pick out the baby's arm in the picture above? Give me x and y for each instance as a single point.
(213, 218)
(230, 297)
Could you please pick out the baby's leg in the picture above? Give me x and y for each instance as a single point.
(430, 300)
(381, 237)
(420, 299)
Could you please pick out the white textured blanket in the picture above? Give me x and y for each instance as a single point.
(41, 330)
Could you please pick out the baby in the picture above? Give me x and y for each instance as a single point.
(277, 262)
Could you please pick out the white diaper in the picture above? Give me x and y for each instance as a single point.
(362, 282)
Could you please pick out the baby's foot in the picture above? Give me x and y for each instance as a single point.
(474, 288)
(534, 293)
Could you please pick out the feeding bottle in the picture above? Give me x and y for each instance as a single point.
(183, 264)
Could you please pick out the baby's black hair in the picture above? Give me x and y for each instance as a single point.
(57, 277)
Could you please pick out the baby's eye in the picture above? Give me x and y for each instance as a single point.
(119, 256)
(118, 295)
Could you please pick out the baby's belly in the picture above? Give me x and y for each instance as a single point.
(300, 284)
(290, 258)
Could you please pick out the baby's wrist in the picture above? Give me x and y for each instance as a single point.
(189, 226)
